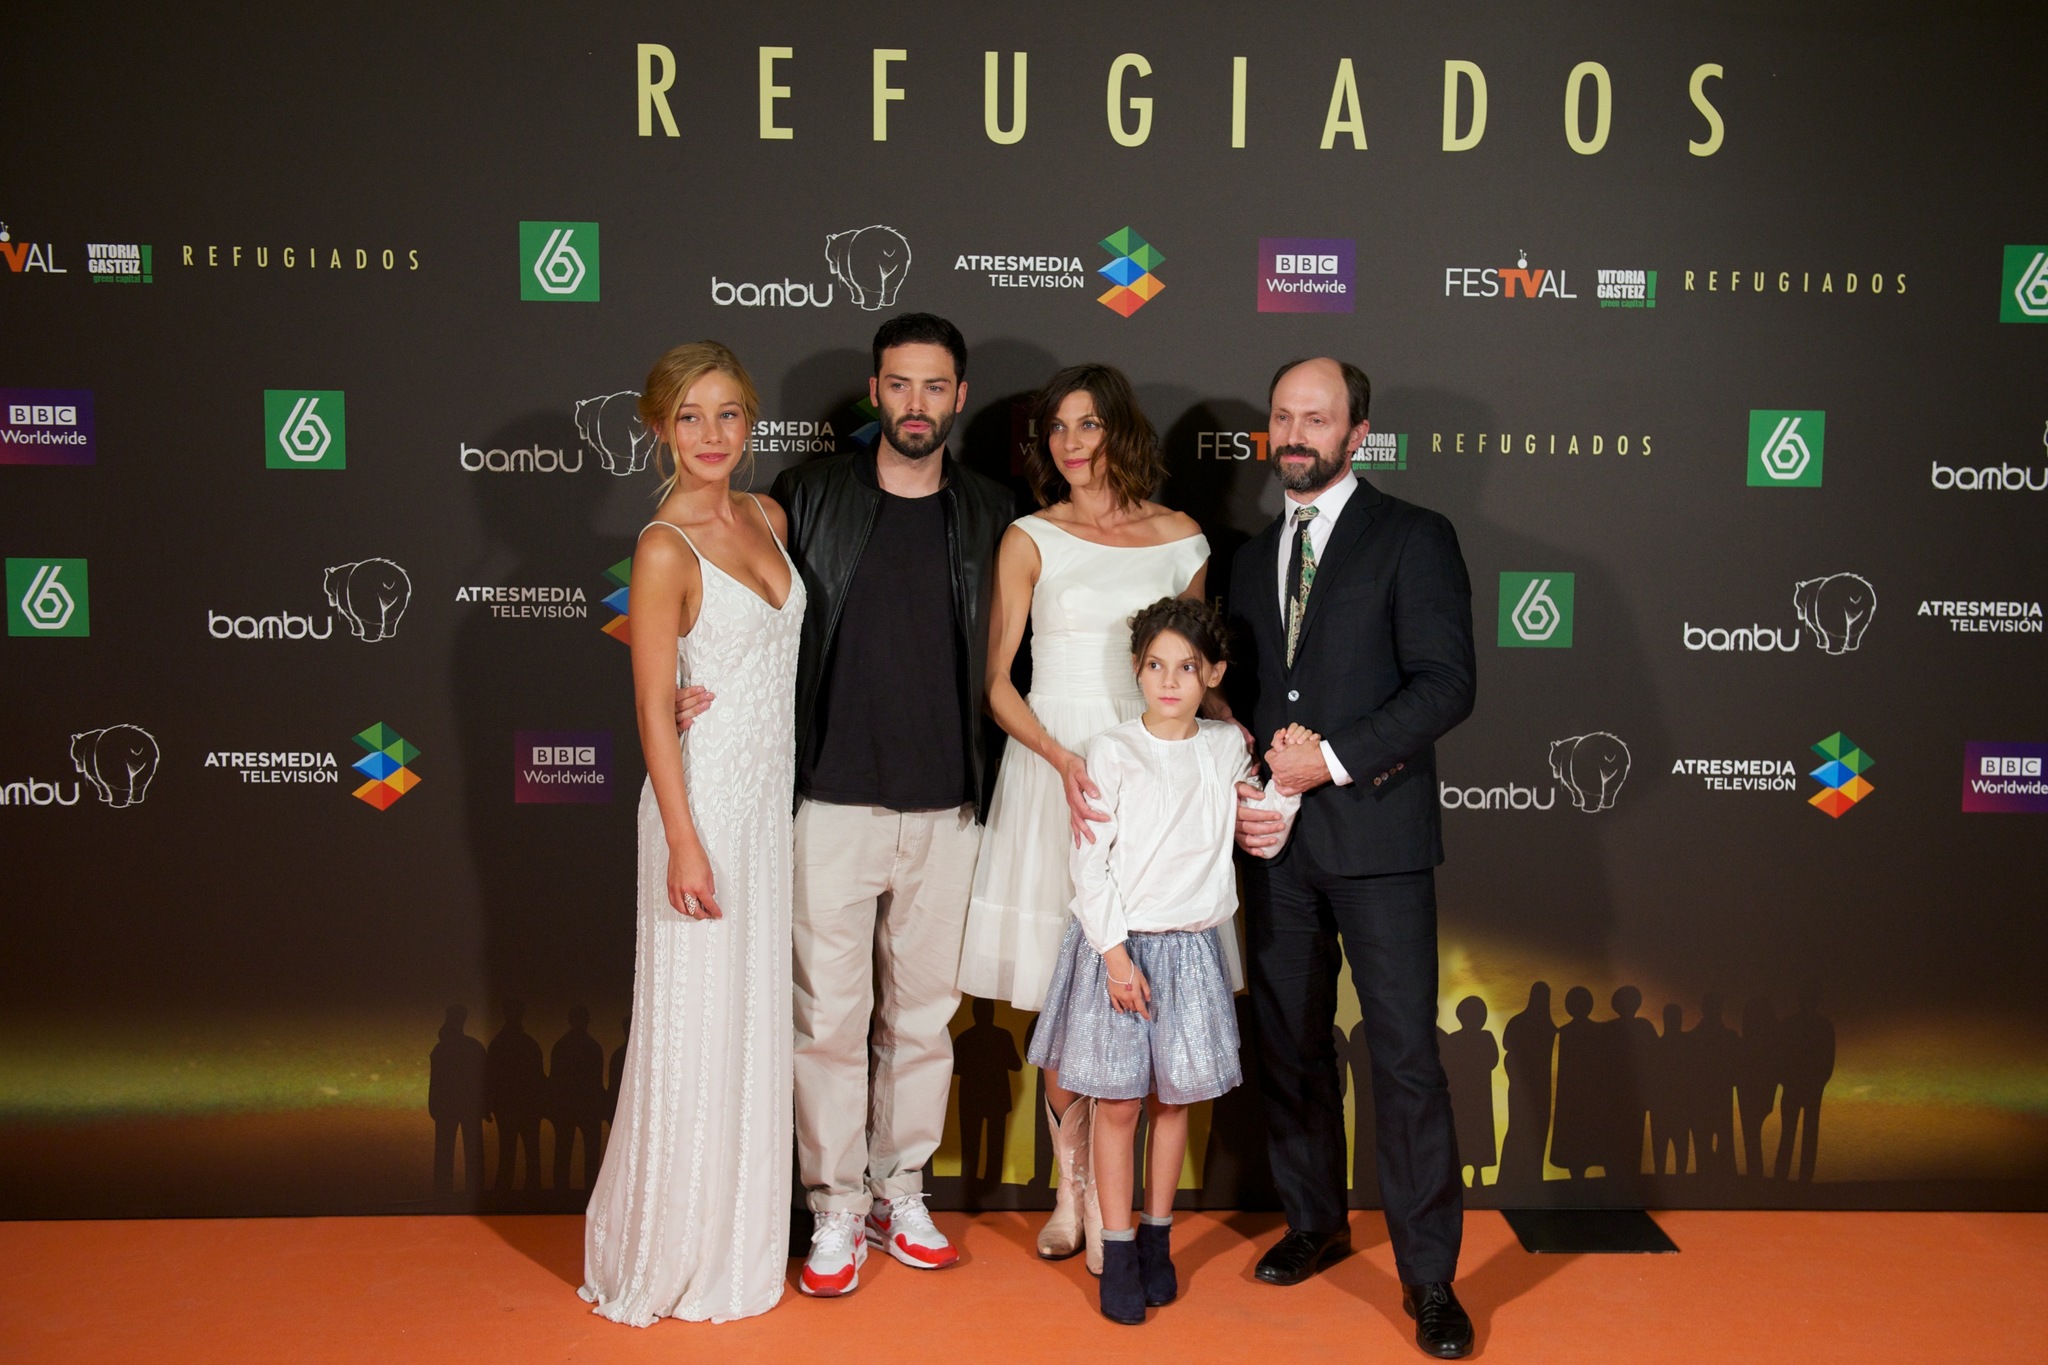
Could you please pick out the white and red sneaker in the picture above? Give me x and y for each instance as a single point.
(903, 1227)
(837, 1253)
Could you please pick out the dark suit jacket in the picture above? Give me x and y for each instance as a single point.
(1383, 669)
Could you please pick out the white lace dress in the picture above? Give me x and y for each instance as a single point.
(1081, 684)
(690, 1217)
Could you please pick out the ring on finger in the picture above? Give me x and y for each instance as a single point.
(692, 906)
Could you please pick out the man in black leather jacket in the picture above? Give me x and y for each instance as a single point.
(897, 548)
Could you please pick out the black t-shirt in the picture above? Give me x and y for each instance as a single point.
(889, 730)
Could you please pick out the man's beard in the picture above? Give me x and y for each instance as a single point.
(1310, 477)
(918, 447)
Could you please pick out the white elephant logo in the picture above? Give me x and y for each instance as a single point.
(871, 262)
(610, 425)
(118, 761)
(1591, 767)
(371, 595)
(1837, 609)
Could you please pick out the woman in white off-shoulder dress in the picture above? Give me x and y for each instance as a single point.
(1077, 570)
(690, 1217)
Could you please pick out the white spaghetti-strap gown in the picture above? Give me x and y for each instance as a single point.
(1081, 684)
(690, 1217)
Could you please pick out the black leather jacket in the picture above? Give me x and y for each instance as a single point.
(831, 505)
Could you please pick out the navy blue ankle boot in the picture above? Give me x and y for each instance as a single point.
(1122, 1290)
(1155, 1265)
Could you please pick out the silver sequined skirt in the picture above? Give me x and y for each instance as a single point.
(1187, 1051)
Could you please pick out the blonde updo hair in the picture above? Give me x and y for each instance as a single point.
(670, 381)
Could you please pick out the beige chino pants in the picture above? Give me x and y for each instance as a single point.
(881, 904)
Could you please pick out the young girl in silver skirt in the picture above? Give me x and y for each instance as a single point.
(1139, 1005)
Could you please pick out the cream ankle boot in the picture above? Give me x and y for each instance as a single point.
(1062, 1235)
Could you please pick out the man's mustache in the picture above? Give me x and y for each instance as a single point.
(1310, 451)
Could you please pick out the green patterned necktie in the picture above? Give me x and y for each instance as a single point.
(1301, 576)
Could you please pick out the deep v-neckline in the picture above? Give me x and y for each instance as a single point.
(728, 575)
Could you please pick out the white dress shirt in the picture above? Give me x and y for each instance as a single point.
(1329, 505)
(1161, 862)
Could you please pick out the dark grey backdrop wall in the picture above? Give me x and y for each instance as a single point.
(1716, 335)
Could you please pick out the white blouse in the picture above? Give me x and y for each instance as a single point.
(1161, 862)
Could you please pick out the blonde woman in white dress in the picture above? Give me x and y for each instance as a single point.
(690, 1216)
(1096, 551)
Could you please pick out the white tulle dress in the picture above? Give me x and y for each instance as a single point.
(1081, 684)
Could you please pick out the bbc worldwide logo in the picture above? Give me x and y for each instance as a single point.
(1536, 610)
(304, 429)
(47, 597)
(1785, 448)
(558, 262)
(2024, 297)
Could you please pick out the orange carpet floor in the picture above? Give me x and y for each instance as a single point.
(1746, 1287)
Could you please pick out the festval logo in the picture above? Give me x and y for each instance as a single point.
(304, 429)
(558, 262)
(1133, 285)
(46, 426)
(2004, 778)
(1307, 274)
(47, 597)
(560, 767)
(2024, 296)
(1785, 448)
(619, 600)
(385, 766)
(1840, 777)
(1536, 610)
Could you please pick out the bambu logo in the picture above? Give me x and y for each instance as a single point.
(47, 597)
(871, 262)
(1837, 609)
(304, 429)
(1132, 283)
(385, 766)
(370, 594)
(2025, 296)
(1536, 610)
(558, 262)
(1841, 779)
(1591, 767)
(610, 425)
(1785, 448)
(118, 761)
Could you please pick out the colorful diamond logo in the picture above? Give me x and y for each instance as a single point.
(617, 599)
(1130, 272)
(384, 764)
(1840, 776)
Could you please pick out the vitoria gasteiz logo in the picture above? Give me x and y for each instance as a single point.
(1840, 775)
(385, 765)
(561, 767)
(304, 429)
(1785, 447)
(1307, 274)
(1536, 610)
(46, 426)
(558, 262)
(47, 597)
(2024, 297)
(1132, 283)
(2005, 778)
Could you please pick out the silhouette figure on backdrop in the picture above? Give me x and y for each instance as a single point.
(1756, 1082)
(577, 1098)
(1712, 1052)
(1583, 1049)
(617, 1075)
(1667, 1085)
(1632, 1056)
(1528, 1041)
(1365, 1165)
(984, 1055)
(1043, 1157)
(1806, 1059)
(515, 1091)
(1470, 1055)
(455, 1101)
(1236, 1172)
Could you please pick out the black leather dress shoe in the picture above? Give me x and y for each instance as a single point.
(1441, 1327)
(1299, 1255)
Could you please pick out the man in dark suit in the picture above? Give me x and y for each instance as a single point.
(1358, 612)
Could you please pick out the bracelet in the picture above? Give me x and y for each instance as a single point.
(1130, 980)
